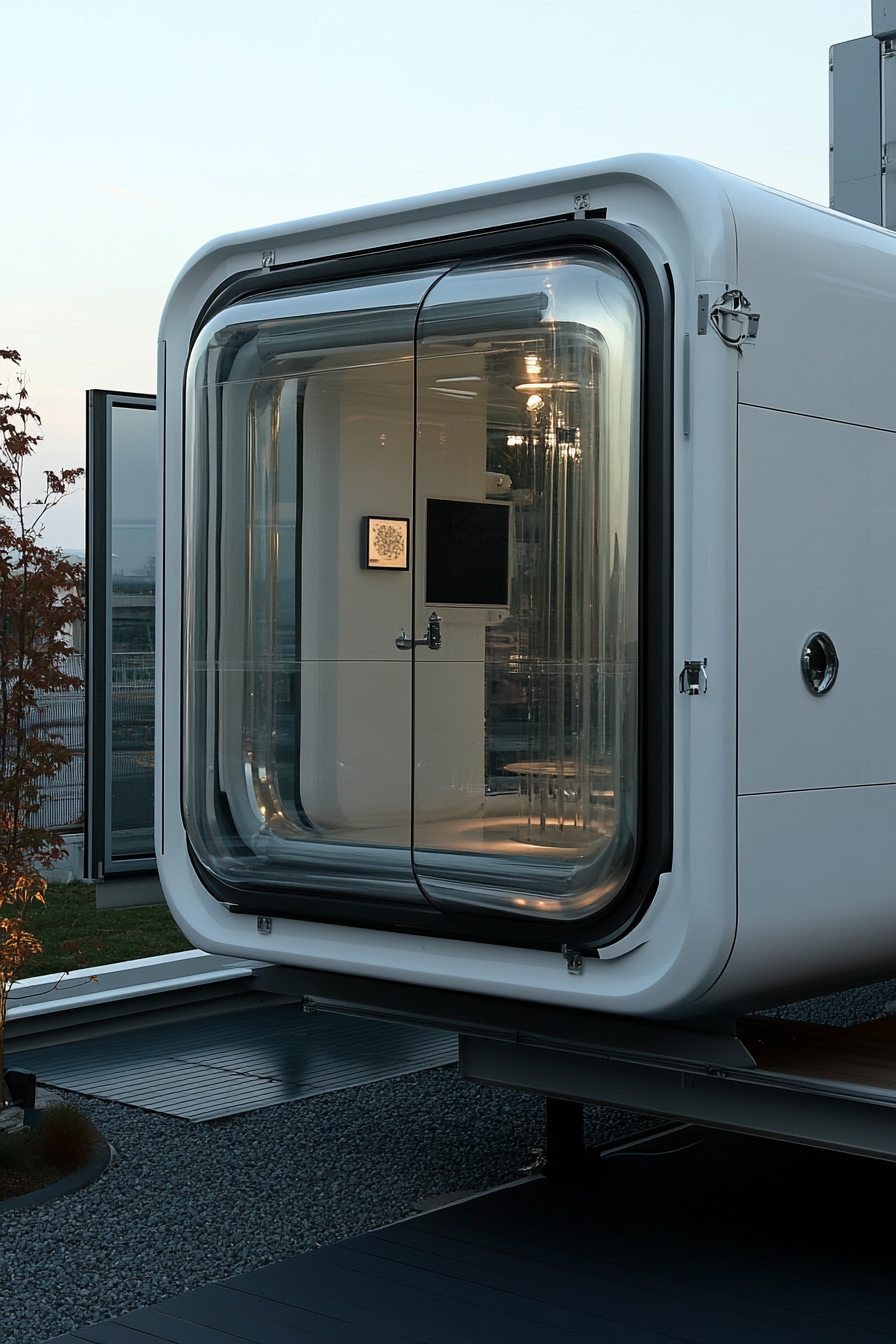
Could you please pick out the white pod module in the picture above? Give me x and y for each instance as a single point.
(529, 597)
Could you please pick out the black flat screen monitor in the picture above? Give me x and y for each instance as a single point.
(467, 553)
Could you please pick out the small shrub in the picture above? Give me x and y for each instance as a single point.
(67, 1139)
(14, 1154)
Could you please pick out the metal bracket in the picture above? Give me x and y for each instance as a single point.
(692, 679)
(574, 963)
(733, 319)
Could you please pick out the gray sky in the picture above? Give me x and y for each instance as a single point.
(133, 132)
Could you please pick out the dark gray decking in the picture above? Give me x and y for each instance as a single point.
(732, 1241)
(210, 1067)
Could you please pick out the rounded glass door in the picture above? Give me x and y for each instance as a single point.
(525, 792)
(411, 590)
(299, 496)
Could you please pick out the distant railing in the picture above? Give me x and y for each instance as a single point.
(129, 669)
(62, 806)
(60, 714)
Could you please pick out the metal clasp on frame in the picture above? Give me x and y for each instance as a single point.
(734, 320)
(573, 958)
(692, 679)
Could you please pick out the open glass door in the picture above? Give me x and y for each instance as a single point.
(121, 633)
(526, 577)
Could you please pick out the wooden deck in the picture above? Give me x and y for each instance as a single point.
(864, 1055)
(696, 1236)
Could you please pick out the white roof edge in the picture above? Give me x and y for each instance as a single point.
(500, 190)
(687, 181)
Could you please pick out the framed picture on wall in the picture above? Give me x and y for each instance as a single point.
(384, 543)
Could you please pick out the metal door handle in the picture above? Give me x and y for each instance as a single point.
(432, 639)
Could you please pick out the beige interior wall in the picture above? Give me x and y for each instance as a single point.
(356, 685)
(449, 745)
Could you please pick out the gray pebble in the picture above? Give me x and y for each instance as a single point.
(185, 1204)
(846, 1008)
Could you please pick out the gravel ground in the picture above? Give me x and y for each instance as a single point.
(844, 1009)
(185, 1204)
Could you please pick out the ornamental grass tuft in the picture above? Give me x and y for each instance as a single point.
(67, 1138)
(14, 1154)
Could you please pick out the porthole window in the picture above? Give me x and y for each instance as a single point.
(820, 663)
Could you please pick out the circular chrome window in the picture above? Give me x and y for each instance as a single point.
(819, 663)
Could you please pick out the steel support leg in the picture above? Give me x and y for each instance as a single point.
(565, 1126)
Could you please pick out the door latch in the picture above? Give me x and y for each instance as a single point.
(734, 320)
(432, 639)
(692, 679)
(573, 957)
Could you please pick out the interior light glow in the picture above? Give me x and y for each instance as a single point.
(515, 440)
(534, 402)
(546, 387)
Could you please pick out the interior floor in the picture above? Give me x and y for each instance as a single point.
(480, 834)
(864, 1055)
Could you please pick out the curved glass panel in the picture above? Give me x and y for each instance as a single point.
(525, 717)
(298, 703)
(411, 648)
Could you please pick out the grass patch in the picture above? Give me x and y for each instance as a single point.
(74, 934)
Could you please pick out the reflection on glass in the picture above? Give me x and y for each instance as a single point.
(527, 393)
(132, 465)
(495, 770)
(298, 761)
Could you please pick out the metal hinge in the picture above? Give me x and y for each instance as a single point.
(692, 679)
(733, 319)
(574, 963)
